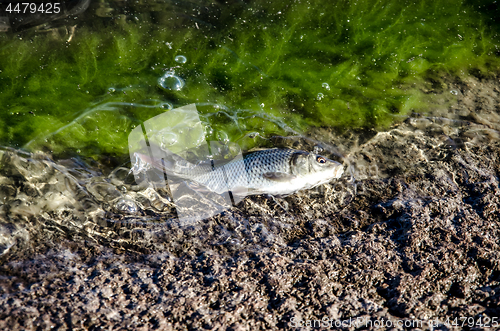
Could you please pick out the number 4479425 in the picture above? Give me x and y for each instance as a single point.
(32, 8)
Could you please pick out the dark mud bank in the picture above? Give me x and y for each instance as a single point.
(415, 237)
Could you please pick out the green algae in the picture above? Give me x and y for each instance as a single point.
(274, 68)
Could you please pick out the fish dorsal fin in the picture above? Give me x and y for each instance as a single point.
(279, 176)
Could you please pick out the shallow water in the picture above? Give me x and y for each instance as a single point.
(103, 203)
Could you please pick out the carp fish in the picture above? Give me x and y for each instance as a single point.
(276, 171)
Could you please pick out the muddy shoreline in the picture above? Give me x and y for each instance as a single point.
(415, 237)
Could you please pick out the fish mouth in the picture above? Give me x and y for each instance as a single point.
(338, 171)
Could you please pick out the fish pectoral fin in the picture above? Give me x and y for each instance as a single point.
(279, 176)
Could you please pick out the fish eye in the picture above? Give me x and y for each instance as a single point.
(320, 159)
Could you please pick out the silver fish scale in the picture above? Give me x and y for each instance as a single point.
(246, 173)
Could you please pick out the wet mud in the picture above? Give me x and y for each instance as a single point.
(409, 233)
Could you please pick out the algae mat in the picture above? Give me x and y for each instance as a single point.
(256, 69)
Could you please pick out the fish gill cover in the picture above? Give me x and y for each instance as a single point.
(259, 68)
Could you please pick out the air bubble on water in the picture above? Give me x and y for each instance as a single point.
(208, 130)
(180, 59)
(126, 206)
(170, 81)
(168, 139)
(320, 96)
(454, 92)
(253, 135)
(326, 86)
(222, 136)
(166, 105)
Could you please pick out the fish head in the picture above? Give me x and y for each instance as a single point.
(317, 168)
